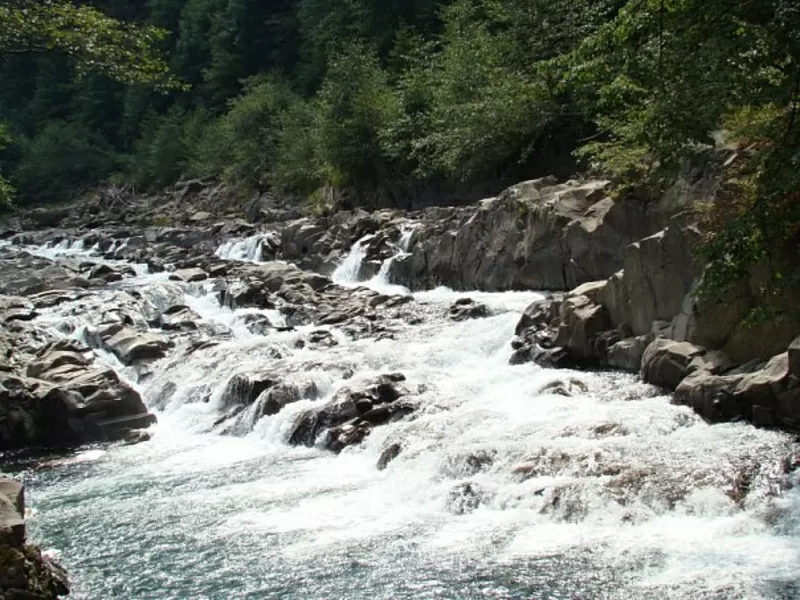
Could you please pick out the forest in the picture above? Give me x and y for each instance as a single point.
(296, 96)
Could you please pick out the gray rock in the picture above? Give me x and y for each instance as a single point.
(581, 323)
(659, 271)
(794, 358)
(179, 318)
(388, 455)
(466, 309)
(350, 416)
(627, 354)
(666, 362)
(764, 386)
(12, 512)
(189, 275)
(535, 235)
(129, 345)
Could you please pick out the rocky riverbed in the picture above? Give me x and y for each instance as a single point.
(300, 336)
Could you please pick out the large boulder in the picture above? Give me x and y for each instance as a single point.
(627, 354)
(189, 275)
(659, 271)
(129, 345)
(66, 399)
(350, 416)
(768, 394)
(535, 235)
(569, 331)
(25, 573)
(465, 309)
(666, 362)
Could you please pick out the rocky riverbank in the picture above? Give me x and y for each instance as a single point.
(97, 317)
(631, 266)
(25, 572)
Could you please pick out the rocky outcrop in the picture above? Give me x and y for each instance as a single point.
(25, 572)
(129, 345)
(305, 298)
(65, 399)
(350, 416)
(466, 308)
(647, 318)
(535, 235)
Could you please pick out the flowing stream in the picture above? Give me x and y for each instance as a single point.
(503, 489)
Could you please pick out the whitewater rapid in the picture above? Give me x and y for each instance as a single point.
(503, 489)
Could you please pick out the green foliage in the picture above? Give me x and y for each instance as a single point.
(354, 104)
(250, 131)
(161, 155)
(6, 190)
(95, 41)
(485, 111)
(63, 160)
(298, 168)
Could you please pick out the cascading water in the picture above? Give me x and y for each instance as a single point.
(349, 272)
(503, 488)
(250, 249)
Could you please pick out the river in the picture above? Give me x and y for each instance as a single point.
(503, 488)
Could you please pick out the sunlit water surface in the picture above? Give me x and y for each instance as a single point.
(502, 490)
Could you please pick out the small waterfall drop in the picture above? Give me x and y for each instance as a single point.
(250, 249)
(381, 282)
(349, 271)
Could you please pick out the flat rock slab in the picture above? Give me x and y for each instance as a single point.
(189, 275)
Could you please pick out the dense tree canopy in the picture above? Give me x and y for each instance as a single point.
(94, 43)
(296, 96)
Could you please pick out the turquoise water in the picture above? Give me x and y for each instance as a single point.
(502, 490)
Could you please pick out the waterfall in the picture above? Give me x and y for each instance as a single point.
(381, 282)
(349, 272)
(250, 249)
(66, 247)
(501, 487)
(405, 237)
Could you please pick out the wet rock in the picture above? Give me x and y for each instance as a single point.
(666, 362)
(129, 345)
(763, 387)
(388, 455)
(107, 273)
(179, 318)
(581, 324)
(283, 394)
(566, 387)
(466, 308)
(627, 354)
(67, 400)
(258, 324)
(466, 464)
(319, 337)
(24, 274)
(15, 308)
(12, 511)
(563, 332)
(24, 572)
(465, 498)
(350, 416)
(189, 275)
(244, 388)
(711, 396)
(53, 298)
(252, 294)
